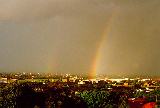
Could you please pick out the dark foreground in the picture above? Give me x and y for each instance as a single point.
(72, 95)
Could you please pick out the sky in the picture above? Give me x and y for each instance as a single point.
(111, 37)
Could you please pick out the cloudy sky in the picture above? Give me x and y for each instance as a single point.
(112, 37)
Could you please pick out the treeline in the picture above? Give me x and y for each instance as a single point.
(25, 95)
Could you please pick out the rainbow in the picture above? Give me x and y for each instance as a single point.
(97, 58)
(52, 64)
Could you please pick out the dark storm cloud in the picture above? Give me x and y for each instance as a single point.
(64, 35)
(56, 36)
(29, 9)
(132, 45)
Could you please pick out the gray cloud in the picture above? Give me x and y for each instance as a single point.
(29, 9)
(63, 36)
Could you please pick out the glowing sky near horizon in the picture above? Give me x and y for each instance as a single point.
(72, 36)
